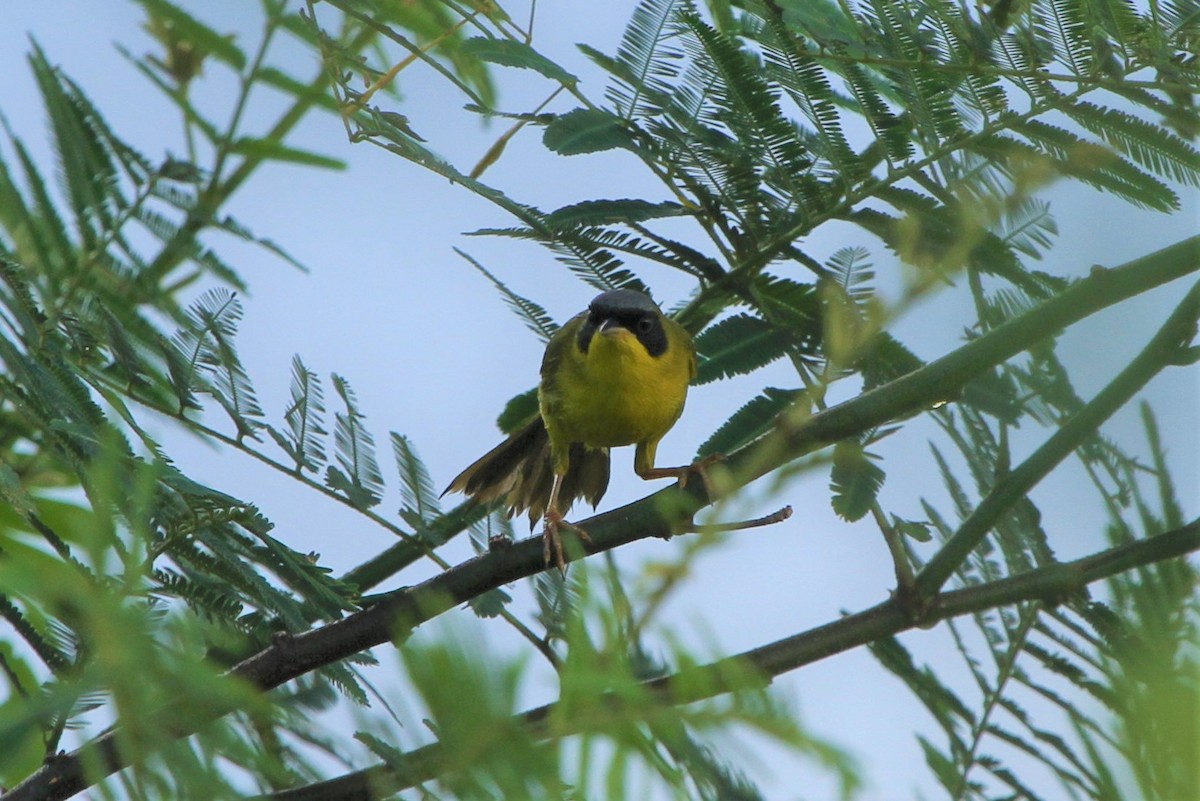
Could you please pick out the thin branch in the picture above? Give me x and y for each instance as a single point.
(201, 216)
(370, 23)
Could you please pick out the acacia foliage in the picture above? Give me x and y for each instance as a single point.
(930, 127)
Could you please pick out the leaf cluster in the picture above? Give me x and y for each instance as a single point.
(142, 579)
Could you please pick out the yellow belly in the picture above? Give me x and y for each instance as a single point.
(617, 394)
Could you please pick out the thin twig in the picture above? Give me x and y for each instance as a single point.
(777, 516)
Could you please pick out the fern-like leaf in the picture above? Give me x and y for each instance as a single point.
(604, 212)
(739, 345)
(305, 438)
(1150, 145)
(535, 317)
(807, 84)
(647, 60)
(855, 481)
(232, 388)
(359, 477)
(1028, 227)
(745, 102)
(853, 273)
(749, 422)
(88, 175)
(419, 497)
(1101, 168)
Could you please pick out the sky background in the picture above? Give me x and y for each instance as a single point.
(432, 352)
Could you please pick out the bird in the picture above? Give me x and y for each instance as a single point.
(616, 374)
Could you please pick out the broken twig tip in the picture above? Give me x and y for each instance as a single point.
(767, 520)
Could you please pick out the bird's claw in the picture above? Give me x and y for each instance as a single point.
(699, 468)
(552, 539)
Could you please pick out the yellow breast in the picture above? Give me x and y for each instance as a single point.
(618, 394)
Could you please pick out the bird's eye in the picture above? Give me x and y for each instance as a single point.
(644, 325)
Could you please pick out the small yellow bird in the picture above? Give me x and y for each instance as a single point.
(616, 374)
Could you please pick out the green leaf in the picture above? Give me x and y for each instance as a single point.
(822, 20)
(1028, 226)
(855, 480)
(215, 313)
(490, 603)
(416, 487)
(946, 707)
(359, 497)
(767, 142)
(390, 754)
(885, 359)
(306, 444)
(850, 269)
(359, 477)
(203, 38)
(229, 224)
(994, 392)
(942, 766)
(274, 150)
(512, 53)
(211, 131)
(300, 89)
(749, 422)
(647, 60)
(535, 317)
(556, 600)
(586, 131)
(795, 306)
(232, 388)
(180, 374)
(127, 359)
(312, 581)
(13, 492)
(518, 411)
(739, 345)
(605, 212)
(912, 529)
(585, 252)
(1097, 165)
(88, 174)
(808, 85)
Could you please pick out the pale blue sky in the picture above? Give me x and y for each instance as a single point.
(433, 353)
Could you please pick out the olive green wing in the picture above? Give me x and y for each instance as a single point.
(549, 396)
(556, 348)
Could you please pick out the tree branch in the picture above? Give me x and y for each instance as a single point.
(661, 514)
(1051, 584)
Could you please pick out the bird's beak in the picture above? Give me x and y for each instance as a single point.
(610, 326)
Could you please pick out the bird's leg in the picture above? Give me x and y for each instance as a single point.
(553, 520)
(643, 465)
(683, 473)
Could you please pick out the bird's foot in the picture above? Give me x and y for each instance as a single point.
(699, 469)
(552, 539)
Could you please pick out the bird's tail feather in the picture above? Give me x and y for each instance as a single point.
(520, 473)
